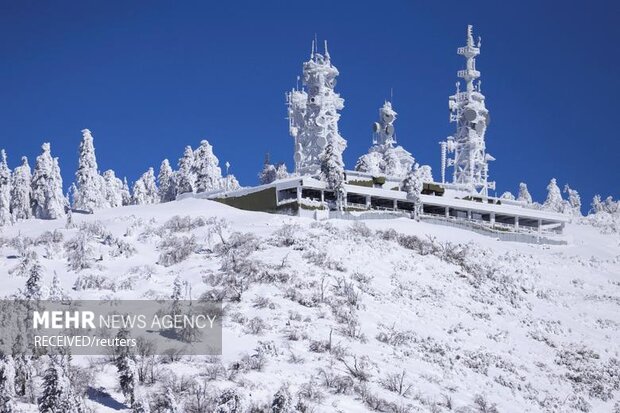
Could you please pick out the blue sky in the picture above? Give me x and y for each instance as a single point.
(149, 78)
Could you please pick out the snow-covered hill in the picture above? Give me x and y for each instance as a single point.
(341, 316)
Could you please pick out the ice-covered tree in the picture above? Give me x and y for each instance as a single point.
(167, 403)
(413, 186)
(554, 200)
(5, 190)
(48, 201)
(426, 173)
(267, 175)
(524, 194)
(392, 163)
(126, 193)
(145, 189)
(185, 177)
(165, 180)
(332, 172)
(21, 191)
(126, 366)
(113, 189)
(230, 183)
(7, 383)
(508, 195)
(208, 173)
(90, 194)
(281, 171)
(574, 200)
(58, 394)
(33, 292)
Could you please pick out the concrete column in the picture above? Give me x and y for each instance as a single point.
(322, 196)
(492, 218)
(468, 214)
(447, 212)
(368, 203)
(516, 223)
(395, 205)
(298, 189)
(539, 226)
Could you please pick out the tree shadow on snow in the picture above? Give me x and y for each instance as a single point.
(102, 397)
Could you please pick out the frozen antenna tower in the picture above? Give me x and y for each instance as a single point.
(313, 112)
(468, 111)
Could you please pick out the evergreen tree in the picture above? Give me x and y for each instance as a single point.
(145, 189)
(113, 189)
(168, 402)
(7, 384)
(268, 174)
(413, 186)
(524, 194)
(125, 193)
(185, 177)
(140, 405)
(21, 191)
(508, 195)
(597, 205)
(332, 172)
(574, 200)
(33, 283)
(139, 193)
(90, 193)
(58, 395)
(554, 200)
(281, 171)
(5, 190)
(426, 173)
(165, 179)
(208, 173)
(126, 367)
(48, 201)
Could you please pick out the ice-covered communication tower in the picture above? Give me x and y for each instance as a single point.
(467, 109)
(313, 113)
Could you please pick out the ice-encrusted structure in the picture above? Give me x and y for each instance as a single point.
(313, 113)
(384, 157)
(468, 111)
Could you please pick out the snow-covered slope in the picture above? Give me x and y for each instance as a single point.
(341, 316)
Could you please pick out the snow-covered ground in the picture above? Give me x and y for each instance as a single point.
(341, 316)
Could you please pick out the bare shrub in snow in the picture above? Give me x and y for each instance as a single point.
(358, 368)
(395, 382)
(255, 325)
(310, 391)
(482, 405)
(285, 236)
(175, 249)
(93, 282)
(80, 253)
(282, 401)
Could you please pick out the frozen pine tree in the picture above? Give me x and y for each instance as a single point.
(281, 171)
(90, 194)
(268, 174)
(574, 200)
(524, 194)
(208, 173)
(125, 193)
(230, 183)
(140, 405)
(413, 186)
(48, 201)
(113, 189)
(165, 181)
(167, 403)
(145, 189)
(554, 200)
(5, 190)
(508, 195)
(7, 378)
(185, 177)
(58, 394)
(332, 172)
(126, 366)
(21, 191)
(32, 292)
(426, 173)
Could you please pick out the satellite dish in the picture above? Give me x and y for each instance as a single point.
(376, 127)
(297, 157)
(388, 117)
(469, 114)
(389, 129)
(321, 141)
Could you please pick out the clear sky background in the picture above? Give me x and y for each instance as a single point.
(148, 78)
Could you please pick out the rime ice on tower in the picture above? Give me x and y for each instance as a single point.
(384, 158)
(313, 113)
(467, 109)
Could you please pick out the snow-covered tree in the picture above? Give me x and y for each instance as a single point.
(371, 163)
(32, 292)
(167, 402)
(165, 180)
(413, 186)
(90, 194)
(332, 172)
(113, 188)
(145, 189)
(524, 194)
(48, 201)
(574, 201)
(208, 173)
(7, 378)
(281, 171)
(426, 173)
(58, 394)
(267, 175)
(21, 191)
(185, 177)
(508, 195)
(5, 190)
(392, 163)
(126, 366)
(140, 405)
(125, 193)
(597, 205)
(554, 200)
